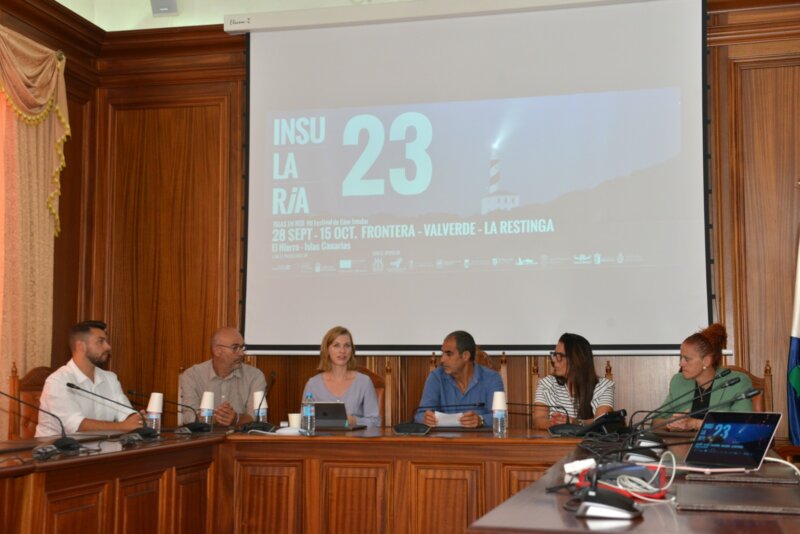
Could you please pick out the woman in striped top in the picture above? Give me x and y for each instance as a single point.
(573, 387)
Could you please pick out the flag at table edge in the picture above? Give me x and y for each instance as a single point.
(793, 366)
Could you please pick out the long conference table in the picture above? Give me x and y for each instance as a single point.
(348, 482)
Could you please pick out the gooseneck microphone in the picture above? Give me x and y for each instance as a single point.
(564, 429)
(441, 406)
(665, 408)
(535, 404)
(412, 428)
(639, 445)
(262, 426)
(749, 394)
(144, 431)
(596, 500)
(638, 432)
(194, 426)
(64, 444)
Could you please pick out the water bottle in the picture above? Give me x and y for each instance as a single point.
(153, 420)
(308, 418)
(500, 423)
(260, 413)
(207, 416)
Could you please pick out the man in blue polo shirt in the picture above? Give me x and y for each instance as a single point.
(459, 381)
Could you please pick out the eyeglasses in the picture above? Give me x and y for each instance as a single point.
(556, 356)
(234, 348)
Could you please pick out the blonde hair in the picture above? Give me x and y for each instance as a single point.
(330, 337)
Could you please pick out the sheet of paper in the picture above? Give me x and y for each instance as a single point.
(448, 419)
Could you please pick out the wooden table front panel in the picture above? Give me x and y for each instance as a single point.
(343, 483)
(162, 487)
(446, 498)
(193, 511)
(267, 497)
(86, 508)
(142, 502)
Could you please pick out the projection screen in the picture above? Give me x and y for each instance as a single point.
(515, 175)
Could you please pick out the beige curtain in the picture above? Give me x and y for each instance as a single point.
(33, 128)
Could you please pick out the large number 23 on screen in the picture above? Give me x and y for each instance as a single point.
(357, 184)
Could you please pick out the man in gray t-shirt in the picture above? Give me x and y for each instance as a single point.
(231, 381)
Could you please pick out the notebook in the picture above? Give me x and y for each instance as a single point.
(333, 416)
(766, 499)
(733, 441)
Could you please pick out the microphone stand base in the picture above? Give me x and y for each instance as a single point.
(258, 425)
(411, 429)
(197, 426)
(600, 503)
(146, 432)
(565, 430)
(66, 444)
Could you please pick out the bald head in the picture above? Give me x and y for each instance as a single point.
(227, 351)
(224, 335)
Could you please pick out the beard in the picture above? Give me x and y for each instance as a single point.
(99, 359)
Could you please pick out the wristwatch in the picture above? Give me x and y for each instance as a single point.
(481, 422)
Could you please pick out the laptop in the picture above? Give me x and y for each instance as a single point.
(732, 441)
(333, 416)
(770, 473)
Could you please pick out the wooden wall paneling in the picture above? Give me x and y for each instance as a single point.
(51, 24)
(170, 56)
(755, 62)
(518, 390)
(769, 145)
(171, 199)
(167, 206)
(641, 382)
(414, 373)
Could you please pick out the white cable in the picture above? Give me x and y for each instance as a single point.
(784, 462)
(639, 488)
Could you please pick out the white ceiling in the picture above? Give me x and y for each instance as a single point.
(119, 15)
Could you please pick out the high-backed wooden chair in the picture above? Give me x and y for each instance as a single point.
(22, 420)
(501, 366)
(380, 389)
(763, 401)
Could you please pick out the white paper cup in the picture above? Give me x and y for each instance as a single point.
(207, 403)
(294, 420)
(499, 401)
(156, 403)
